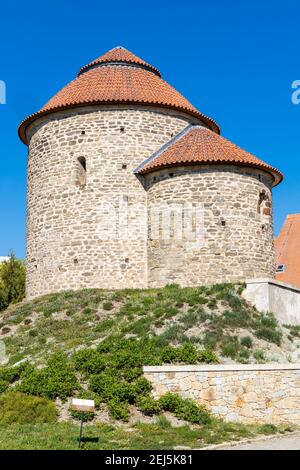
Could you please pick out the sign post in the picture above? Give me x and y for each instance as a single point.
(83, 406)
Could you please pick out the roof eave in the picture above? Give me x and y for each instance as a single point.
(276, 174)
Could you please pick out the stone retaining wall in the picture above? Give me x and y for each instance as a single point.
(267, 393)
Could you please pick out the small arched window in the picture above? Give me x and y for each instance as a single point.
(264, 206)
(81, 172)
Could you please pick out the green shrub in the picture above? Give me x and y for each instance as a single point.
(268, 320)
(18, 408)
(169, 354)
(3, 385)
(247, 342)
(211, 339)
(188, 353)
(234, 301)
(118, 410)
(269, 334)
(207, 356)
(57, 379)
(148, 405)
(266, 328)
(185, 408)
(89, 361)
(259, 355)
(12, 281)
(244, 354)
(171, 334)
(109, 386)
(132, 374)
(230, 347)
(142, 386)
(9, 375)
(236, 318)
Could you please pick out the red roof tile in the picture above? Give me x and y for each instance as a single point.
(198, 145)
(287, 246)
(117, 77)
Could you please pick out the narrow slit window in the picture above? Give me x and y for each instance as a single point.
(81, 172)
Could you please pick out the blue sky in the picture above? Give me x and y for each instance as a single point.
(234, 60)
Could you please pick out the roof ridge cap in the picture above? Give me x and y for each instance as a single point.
(165, 146)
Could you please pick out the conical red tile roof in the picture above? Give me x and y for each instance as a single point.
(198, 145)
(119, 55)
(117, 77)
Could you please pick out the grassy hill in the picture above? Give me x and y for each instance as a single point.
(211, 318)
(93, 344)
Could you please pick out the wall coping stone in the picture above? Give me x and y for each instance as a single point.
(273, 282)
(219, 368)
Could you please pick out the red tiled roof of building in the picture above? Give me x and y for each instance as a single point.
(119, 55)
(287, 246)
(111, 79)
(199, 145)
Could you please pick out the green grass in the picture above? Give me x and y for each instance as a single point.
(158, 436)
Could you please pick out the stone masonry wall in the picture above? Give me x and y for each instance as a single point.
(237, 223)
(267, 393)
(64, 249)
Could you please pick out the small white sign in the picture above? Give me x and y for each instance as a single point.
(78, 404)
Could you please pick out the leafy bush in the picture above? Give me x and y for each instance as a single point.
(89, 361)
(18, 408)
(169, 354)
(3, 385)
(57, 379)
(142, 386)
(207, 356)
(109, 386)
(148, 405)
(244, 354)
(118, 410)
(247, 342)
(186, 353)
(185, 408)
(12, 281)
(9, 375)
